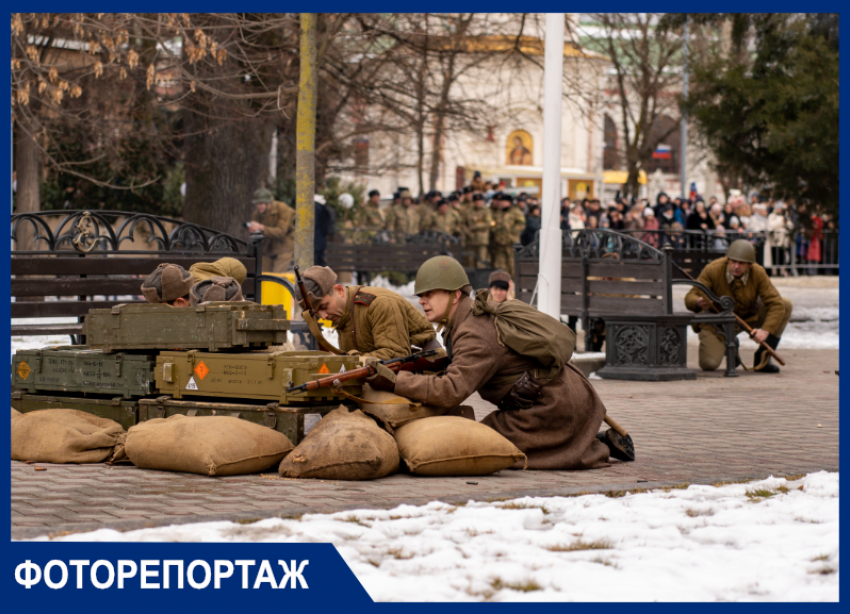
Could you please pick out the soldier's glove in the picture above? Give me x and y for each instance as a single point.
(367, 361)
(384, 379)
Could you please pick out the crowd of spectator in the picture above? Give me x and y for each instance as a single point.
(783, 232)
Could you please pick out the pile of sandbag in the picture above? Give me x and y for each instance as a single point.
(208, 445)
(344, 445)
(65, 436)
(351, 445)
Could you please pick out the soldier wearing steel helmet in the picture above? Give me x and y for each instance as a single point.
(556, 430)
(756, 302)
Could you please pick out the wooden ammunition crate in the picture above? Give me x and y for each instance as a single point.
(123, 411)
(208, 326)
(79, 369)
(252, 375)
(294, 422)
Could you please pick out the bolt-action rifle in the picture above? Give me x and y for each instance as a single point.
(415, 362)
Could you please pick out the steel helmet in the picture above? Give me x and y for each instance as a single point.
(742, 251)
(440, 273)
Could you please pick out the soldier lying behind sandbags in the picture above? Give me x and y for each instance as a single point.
(171, 283)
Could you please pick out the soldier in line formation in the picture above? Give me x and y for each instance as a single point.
(487, 233)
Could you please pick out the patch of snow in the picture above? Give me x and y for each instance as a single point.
(770, 540)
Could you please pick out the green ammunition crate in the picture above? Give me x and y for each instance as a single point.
(294, 422)
(77, 368)
(252, 375)
(209, 326)
(123, 411)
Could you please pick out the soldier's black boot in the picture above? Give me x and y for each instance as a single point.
(762, 360)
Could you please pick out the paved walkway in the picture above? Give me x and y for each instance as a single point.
(705, 431)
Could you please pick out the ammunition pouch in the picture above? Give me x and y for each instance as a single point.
(523, 394)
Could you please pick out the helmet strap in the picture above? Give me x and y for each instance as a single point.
(444, 321)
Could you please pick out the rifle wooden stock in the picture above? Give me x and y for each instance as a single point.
(414, 362)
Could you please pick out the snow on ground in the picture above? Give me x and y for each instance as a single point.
(770, 540)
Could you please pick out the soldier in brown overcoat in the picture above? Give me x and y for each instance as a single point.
(558, 432)
(276, 220)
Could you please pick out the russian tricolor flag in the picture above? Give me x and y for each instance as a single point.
(662, 152)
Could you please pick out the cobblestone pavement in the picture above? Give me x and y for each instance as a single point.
(705, 431)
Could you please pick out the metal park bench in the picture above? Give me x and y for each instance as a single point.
(632, 293)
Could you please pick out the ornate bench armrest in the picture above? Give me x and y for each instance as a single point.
(726, 303)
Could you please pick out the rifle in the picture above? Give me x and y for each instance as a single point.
(414, 362)
(310, 316)
(741, 323)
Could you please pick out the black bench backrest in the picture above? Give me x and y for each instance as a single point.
(374, 251)
(77, 259)
(638, 283)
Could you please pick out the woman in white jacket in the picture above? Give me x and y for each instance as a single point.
(779, 229)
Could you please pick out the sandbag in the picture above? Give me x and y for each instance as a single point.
(451, 445)
(392, 409)
(208, 445)
(64, 436)
(343, 446)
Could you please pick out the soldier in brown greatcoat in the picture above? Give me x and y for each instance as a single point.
(276, 220)
(370, 321)
(477, 223)
(510, 223)
(405, 216)
(559, 431)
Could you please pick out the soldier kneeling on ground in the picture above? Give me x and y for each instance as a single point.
(551, 413)
(756, 302)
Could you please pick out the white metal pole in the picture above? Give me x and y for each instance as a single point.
(683, 169)
(549, 276)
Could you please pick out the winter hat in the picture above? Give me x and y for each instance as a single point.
(318, 281)
(166, 283)
(216, 289)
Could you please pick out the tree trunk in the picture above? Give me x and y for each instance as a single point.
(27, 164)
(225, 163)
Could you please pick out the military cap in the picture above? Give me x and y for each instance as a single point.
(442, 202)
(166, 283)
(215, 289)
(318, 281)
(499, 275)
(405, 194)
(262, 196)
(467, 189)
(477, 197)
(507, 197)
(374, 193)
(453, 197)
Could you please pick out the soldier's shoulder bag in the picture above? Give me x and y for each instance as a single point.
(529, 332)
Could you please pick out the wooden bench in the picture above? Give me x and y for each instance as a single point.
(374, 251)
(80, 260)
(632, 293)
